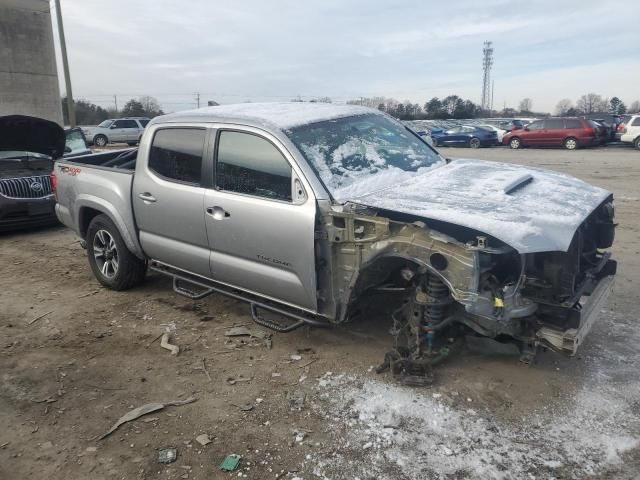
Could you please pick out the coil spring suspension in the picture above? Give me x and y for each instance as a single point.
(434, 310)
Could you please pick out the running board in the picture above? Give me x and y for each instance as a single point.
(195, 288)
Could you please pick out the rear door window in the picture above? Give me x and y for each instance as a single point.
(176, 154)
(554, 123)
(251, 165)
(143, 123)
(573, 123)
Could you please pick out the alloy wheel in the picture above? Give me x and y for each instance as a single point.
(105, 253)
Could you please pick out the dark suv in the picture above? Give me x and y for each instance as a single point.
(569, 132)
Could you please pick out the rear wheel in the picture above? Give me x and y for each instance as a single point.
(636, 143)
(100, 140)
(474, 143)
(515, 143)
(113, 265)
(571, 143)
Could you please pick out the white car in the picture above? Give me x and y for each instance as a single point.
(499, 131)
(631, 131)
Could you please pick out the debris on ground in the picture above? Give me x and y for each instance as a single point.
(230, 463)
(233, 381)
(143, 410)
(244, 332)
(295, 358)
(34, 320)
(164, 343)
(244, 407)
(203, 439)
(167, 455)
(296, 399)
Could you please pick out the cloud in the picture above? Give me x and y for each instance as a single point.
(413, 49)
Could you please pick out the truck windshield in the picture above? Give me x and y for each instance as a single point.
(361, 154)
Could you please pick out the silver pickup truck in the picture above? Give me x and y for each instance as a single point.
(307, 210)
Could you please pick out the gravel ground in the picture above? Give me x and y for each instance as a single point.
(323, 413)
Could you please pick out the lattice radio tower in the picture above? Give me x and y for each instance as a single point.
(487, 63)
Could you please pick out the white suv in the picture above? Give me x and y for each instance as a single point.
(631, 131)
(124, 130)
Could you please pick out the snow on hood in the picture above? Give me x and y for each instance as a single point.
(31, 134)
(530, 209)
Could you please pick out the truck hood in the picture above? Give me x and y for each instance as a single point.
(31, 134)
(530, 209)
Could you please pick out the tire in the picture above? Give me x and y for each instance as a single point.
(100, 141)
(636, 143)
(515, 143)
(113, 265)
(570, 143)
(434, 142)
(475, 143)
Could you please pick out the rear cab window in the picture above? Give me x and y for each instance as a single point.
(176, 154)
(251, 165)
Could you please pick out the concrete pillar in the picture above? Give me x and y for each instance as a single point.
(28, 74)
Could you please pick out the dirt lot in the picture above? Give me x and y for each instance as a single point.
(68, 376)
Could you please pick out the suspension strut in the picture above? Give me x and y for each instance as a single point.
(435, 298)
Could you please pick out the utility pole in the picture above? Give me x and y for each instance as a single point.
(197, 94)
(115, 100)
(65, 65)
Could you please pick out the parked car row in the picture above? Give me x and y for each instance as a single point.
(567, 132)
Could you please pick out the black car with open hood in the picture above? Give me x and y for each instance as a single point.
(28, 148)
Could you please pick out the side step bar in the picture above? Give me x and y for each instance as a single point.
(184, 283)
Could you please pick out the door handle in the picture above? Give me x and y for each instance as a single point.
(218, 213)
(147, 197)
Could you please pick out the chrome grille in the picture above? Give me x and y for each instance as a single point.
(26, 187)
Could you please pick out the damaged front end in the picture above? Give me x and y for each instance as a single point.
(455, 282)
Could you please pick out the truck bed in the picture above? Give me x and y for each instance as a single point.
(121, 159)
(98, 183)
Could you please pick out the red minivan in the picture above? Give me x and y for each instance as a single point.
(570, 133)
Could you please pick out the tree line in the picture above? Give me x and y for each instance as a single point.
(88, 113)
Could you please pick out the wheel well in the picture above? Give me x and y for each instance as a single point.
(86, 215)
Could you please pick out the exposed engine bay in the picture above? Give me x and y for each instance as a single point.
(457, 283)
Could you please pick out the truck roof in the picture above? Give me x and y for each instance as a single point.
(283, 115)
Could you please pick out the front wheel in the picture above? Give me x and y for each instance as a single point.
(571, 143)
(515, 143)
(474, 143)
(113, 265)
(100, 140)
(434, 142)
(636, 143)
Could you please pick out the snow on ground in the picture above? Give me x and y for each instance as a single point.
(385, 431)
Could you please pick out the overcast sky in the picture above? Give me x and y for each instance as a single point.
(275, 50)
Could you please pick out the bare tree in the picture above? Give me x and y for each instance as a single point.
(563, 106)
(589, 103)
(526, 104)
(634, 107)
(150, 106)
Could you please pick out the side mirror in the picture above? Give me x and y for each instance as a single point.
(67, 149)
(526, 129)
(113, 126)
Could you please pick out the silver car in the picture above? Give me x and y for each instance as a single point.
(121, 130)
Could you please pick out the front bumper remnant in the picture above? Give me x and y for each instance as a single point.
(569, 340)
